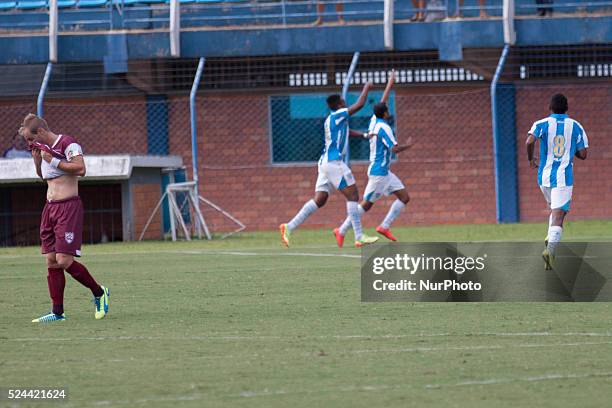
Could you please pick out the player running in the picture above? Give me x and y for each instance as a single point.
(59, 161)
(381, 181)
(561, 138)
(333, 172)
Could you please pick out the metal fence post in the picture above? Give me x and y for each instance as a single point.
(43, 89)
(193, 119)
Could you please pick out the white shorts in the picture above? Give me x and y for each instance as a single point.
(558, 197)
(382, 185)
(334, 175)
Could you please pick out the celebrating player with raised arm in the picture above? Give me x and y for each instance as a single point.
(59, 161)
(561, 138)
(381, 181)
(333, 172)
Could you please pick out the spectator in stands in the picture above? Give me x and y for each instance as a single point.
(321, 10)
(419, 6)
(19, 148)
(483, 13)
(542, 11)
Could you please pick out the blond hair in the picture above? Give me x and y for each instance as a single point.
(34, 122)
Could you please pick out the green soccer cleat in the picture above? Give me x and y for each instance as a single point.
(285, 234)
(365, 240)
(102, 303)
(549, 259)
(49, 318)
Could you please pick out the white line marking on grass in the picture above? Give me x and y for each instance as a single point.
(382, 387)
(474, 348)
(321, 337)
(545, 377)
(308, 254)
(195, 397)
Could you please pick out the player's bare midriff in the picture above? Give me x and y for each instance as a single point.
(62, 187)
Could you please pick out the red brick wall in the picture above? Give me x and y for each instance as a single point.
(449, 173)
(591, 105)
(144, 199)
(103, 125)
(11, 115)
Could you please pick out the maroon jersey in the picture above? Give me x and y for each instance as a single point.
(65, 148)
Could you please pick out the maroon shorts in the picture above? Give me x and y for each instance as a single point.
(61, 226)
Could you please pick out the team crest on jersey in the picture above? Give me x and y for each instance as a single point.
(69, 236)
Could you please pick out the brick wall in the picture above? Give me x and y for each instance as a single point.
(11, 115)
(145, 197)
(449, 173)
(591, 105)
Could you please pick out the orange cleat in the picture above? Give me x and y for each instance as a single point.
(339, 237)
(285, 234)
(385, 232)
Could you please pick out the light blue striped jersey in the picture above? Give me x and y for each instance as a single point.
(560, 138)
(380, 147)
(336, 135)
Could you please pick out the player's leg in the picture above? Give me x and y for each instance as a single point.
(371, 194)
(56, 281)
(393, 186)
(340, 232)
(68, 239)
(322, 189)
(546, 194)
(396, 208)
(560, 199)
(80, 273)
(346, 185)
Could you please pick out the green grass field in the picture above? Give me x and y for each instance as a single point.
(245, 322)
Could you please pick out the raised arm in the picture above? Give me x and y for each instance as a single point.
(361, 100)
(530, 143)
(390, 83)
(37, 161)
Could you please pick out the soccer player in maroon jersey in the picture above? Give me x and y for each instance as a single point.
(59, 161)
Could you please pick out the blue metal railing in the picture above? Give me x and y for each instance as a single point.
(85, 15)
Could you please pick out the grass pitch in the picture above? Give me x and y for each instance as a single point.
(245, 322)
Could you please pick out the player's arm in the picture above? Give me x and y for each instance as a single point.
(582, 154)
(75, 167)
(354, 108)
(390, 83)
(400, 148)
(530, 143)
(356, 133)
(583, 145)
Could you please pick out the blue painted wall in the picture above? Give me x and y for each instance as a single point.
(308, 40)
(506, 157)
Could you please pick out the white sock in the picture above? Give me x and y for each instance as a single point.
(306, 211)
(394, 211)
(355, 216)
(554, 237)
(347, 222)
